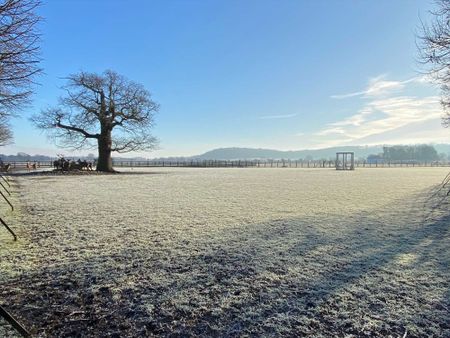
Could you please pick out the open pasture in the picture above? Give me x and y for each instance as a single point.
(230, 252)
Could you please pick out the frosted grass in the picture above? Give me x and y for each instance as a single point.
(230, 252)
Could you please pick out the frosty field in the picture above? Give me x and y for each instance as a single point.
(229, 252)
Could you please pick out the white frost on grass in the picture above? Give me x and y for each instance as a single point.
(231, 252)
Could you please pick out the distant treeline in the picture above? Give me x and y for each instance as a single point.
(25, 157)
(420, 153)
(20, 157)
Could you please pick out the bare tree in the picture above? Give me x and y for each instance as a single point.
(434, 51)
(106, 111)
(19, 56)
(5, 133)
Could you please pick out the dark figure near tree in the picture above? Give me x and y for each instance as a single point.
(67, 165)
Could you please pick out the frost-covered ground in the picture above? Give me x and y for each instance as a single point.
(230, 252)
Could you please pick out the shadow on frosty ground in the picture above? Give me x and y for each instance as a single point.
(283, 277)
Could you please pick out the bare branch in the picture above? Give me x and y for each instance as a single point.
(434, 52)
(19, 53)
(76, 129)
(6, 135)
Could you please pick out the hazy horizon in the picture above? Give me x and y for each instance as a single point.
(60, 152)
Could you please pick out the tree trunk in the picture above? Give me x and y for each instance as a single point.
(104, 162)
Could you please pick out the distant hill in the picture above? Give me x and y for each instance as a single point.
(314, 154)
(260, 154)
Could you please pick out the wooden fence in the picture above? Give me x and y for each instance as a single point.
(274, 164)
(21, 165)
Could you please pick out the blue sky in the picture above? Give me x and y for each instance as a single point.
(270, 74)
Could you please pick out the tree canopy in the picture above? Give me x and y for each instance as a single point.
(106, 111)
(434, 49)
(420, 152)
(19, 58)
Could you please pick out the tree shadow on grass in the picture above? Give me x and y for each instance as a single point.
(360, 276)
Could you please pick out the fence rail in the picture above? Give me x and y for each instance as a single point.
(22, 165)
(275, 164)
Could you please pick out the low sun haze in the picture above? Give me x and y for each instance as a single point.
(269, 74)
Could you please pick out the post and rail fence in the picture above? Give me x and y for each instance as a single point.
(22, 165)
(274, 164)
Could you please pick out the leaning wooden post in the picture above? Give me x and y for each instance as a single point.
(1, 184)
(4, 179)
(12, 207)
(9, 229)
(14, 323)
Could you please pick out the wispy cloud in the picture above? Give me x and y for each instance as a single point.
(378, 86)
(383, 115)
(386, 114)
(330, 131)
(271, 117)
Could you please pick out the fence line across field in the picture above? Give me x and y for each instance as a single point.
(274, 164)
(22, 165)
